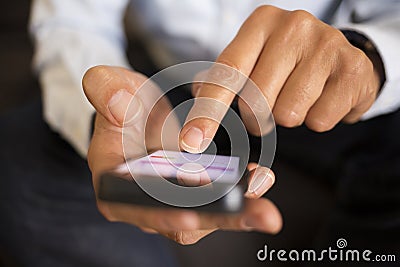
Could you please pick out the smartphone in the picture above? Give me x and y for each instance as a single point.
(180, 168)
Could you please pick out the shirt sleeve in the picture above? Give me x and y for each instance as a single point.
(380, 22)
(70, 37)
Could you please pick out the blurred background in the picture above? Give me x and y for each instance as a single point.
(17, 83)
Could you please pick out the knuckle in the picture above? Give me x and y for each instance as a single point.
(226, 74)
(318, 125)
(255, 105)
(288, 119)
(301, 15)
(301, 19)
(264, 10)
(306, 91)
(185, 238)
(371, 93)
(260, 16)
(351, 119)
(367, 93)
(361, 62)
(331, 40)
(226, 69)
(356, 62)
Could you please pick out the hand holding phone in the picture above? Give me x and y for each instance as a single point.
(102, 84)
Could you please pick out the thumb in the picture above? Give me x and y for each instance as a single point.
(111, 91)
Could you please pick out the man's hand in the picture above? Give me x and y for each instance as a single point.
(307, 72)
(112, 91)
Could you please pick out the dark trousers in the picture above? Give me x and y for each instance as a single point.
(48, 215)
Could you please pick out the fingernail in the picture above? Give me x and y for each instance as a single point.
(259, 182)
(124, 107)
(192, 140)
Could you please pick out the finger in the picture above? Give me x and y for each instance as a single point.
(277, 61)
(201, 124)
(197, 82)
(351, 90)
(259, 215)
(160, 220)
(261, 180)
(126, 98)
(224, 81)
(148, 230)
(355, 113)
(262, 215)
(334, 103)
(103, 157)
(366, 100)
(111, 90)
(273, 68)
(301, 90)
(188, 237)
(252, 165)
(255, 111)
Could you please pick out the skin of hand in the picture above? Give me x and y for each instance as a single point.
(307, 71)
(110, 90)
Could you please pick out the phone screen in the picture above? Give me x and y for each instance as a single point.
(185, 166)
